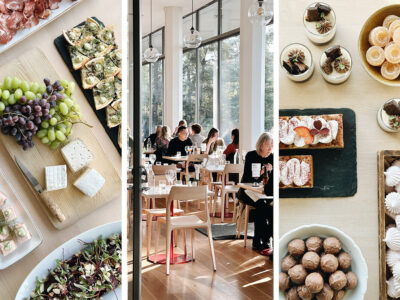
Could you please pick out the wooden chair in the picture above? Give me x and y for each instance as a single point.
(185, 222)
(228, 188)
(162, 170)
(192, 158)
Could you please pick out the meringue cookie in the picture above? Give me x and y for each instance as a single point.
(392, 238)
(334, 127)
(392, 176)
(392, 258)
(391, 290)
(397, 219)
(396, 276)
(392, 202)
(302, 174)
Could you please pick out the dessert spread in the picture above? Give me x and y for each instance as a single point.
(389, 116)
(385, 48)
(336, 64)
(316, 267)
(324, 131)
(320, 23)
(296, 59)
(296, 171)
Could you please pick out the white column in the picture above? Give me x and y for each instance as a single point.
(252, 79)
(173, 66)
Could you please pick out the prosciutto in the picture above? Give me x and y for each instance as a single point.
(19, 14)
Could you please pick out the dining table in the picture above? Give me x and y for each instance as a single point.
(163, 193)
(176, 158)
(12, 277)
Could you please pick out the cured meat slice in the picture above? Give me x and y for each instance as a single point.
(29, 8)
(14, 5)
(53, 4)
(15, 20)
(5, 35)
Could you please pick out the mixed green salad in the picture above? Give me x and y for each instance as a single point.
(89, 274)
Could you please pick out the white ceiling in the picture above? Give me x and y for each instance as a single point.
(158, 11)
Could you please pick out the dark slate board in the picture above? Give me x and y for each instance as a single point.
(335, 170)
(62, 47)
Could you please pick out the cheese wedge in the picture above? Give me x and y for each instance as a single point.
(56, 178)
(90, 182)
(77, 155)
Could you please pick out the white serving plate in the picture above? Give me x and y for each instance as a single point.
(23, 215)
(64, 6)
(358, 264)
(66, 250)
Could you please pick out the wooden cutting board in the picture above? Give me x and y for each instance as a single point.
(34, 66)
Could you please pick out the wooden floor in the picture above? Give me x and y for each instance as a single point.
(241, 272)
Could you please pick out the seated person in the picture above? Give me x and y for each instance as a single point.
(180, 124)
(152, 137)
(179, 143)
(263, 223)
(213, 141)
(231, 149)
(196, 136)
(162, 143)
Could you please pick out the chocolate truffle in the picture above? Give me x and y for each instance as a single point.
(314, 282)
(292, 294)
(344, 260)
(329, 263)
(304, 293)
(284, 281)
(338, 295)
(351, 280)
(310, 261)
(392, 108)
(297, 247)
(297, 274)
(337, 280)
(287, 263)
(314, 243)
(332, 245)
(326, 293)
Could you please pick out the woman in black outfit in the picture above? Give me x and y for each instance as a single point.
(263, 223)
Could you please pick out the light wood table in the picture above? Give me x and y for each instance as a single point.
(11, 278)
(250, 187)
(175, 158)
(357, 216)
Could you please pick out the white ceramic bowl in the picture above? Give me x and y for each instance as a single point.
(358, 264)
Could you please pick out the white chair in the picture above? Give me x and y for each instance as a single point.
(227, 188)
(185, 222)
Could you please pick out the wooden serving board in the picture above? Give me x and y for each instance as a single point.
(34, 66)
(385, 159)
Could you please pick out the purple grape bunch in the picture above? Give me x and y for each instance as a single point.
(22, 120)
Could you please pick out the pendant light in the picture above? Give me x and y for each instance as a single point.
(192, 39)
(151, 54)
(261, 12)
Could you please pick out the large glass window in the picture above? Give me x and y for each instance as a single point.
(145, 100)
(229, 115)
(209, 21)
(208, 85)
(157, 40)
(230, 15)
(157, 93)
(269, 78)
(189, 86)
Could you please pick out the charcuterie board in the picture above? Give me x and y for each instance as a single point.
(34, 66)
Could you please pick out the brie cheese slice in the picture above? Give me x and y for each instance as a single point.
(56, 178)
(77, 155)
(90, 182)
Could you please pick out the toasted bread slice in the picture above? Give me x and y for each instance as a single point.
(110, 69)
(113, 117)
(118, 88)
(116, 57)
(78, 59)
(73, 35)
(91, 28)
(306, 158)
(106, 35)
(103, 93)
(337, 143)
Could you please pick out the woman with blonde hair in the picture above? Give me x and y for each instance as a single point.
(263, 213)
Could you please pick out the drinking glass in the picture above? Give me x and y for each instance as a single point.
(152, 158)
(203, 147)
(158, 163)
(256, 172)
(187, 149)
(178, 182)
(171, 176)
(244, 153)
(178, 154)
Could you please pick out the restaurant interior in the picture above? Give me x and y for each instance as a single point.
(206, 75)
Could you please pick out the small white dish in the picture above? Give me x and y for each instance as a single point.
(67, 250)
(358, 264)
(23, 249)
